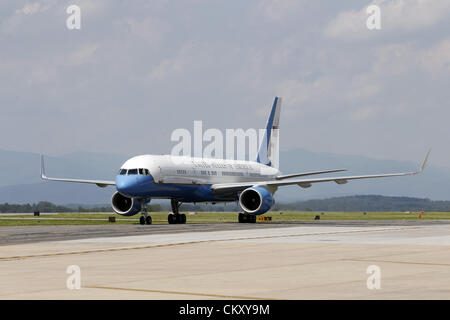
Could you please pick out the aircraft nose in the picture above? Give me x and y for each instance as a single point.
(126, 185)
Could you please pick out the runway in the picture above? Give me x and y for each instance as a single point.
(32, 234)
(324, 260)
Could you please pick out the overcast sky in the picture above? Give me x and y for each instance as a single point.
(137, 70)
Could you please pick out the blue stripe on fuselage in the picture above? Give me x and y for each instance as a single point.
(140, 186)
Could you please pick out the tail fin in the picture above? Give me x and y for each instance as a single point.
(268, 153)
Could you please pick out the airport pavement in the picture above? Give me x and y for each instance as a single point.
(267, 261)
(31, 234)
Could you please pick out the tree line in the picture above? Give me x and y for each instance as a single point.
(49, 207)
(368, 203)
(348, 203)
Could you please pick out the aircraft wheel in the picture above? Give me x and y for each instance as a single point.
(142, 220)
(176, 218)
(148, 220)
(245, 218)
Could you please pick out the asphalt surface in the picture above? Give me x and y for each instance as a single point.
(302, 260)
(33, 234)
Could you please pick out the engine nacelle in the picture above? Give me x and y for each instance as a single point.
(125, 206)
(256, 200)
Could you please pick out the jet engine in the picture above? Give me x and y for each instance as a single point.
(125, 206)
(256, 200)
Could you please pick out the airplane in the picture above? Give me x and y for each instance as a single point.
(182, 179)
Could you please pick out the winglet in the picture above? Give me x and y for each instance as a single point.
(425, 161)
(43, 176)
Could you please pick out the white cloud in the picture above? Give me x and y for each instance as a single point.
(165, 68)
(364, 92)
(402, 59)
(91, 7)
(170, 66)
(85, 54)
(363, 114)
(278, 10)
(297, 94)
(19, 17)
(294, 91)
(349, 25)
(224, 62)
(40, 75)
(29, 8)
(436, 60)
(151, 30)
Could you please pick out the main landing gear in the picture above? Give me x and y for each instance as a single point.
(247, 218)
(176, 217)
(145, 218)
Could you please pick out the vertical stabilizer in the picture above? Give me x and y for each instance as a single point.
(268, 153)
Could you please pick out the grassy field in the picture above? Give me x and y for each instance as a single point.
(207, 217)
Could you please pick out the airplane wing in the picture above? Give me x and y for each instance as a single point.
(305, 183)
(100, 183)
(287, 176)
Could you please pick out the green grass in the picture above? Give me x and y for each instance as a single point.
(304, 216)
(212, 217)
(43, 222)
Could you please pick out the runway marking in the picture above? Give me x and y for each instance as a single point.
(400, 262)
(182, 293)
(194, 242)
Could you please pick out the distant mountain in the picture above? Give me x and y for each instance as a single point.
(433, 183)
(20, 177)
(58, 193)
(19, 168)
(20, 180)
(368, 203)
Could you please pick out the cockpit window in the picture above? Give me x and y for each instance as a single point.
(140, 171)
(132, 171)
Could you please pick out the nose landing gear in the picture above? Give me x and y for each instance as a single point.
(145, 218)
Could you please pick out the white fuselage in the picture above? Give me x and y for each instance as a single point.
(167, 169)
